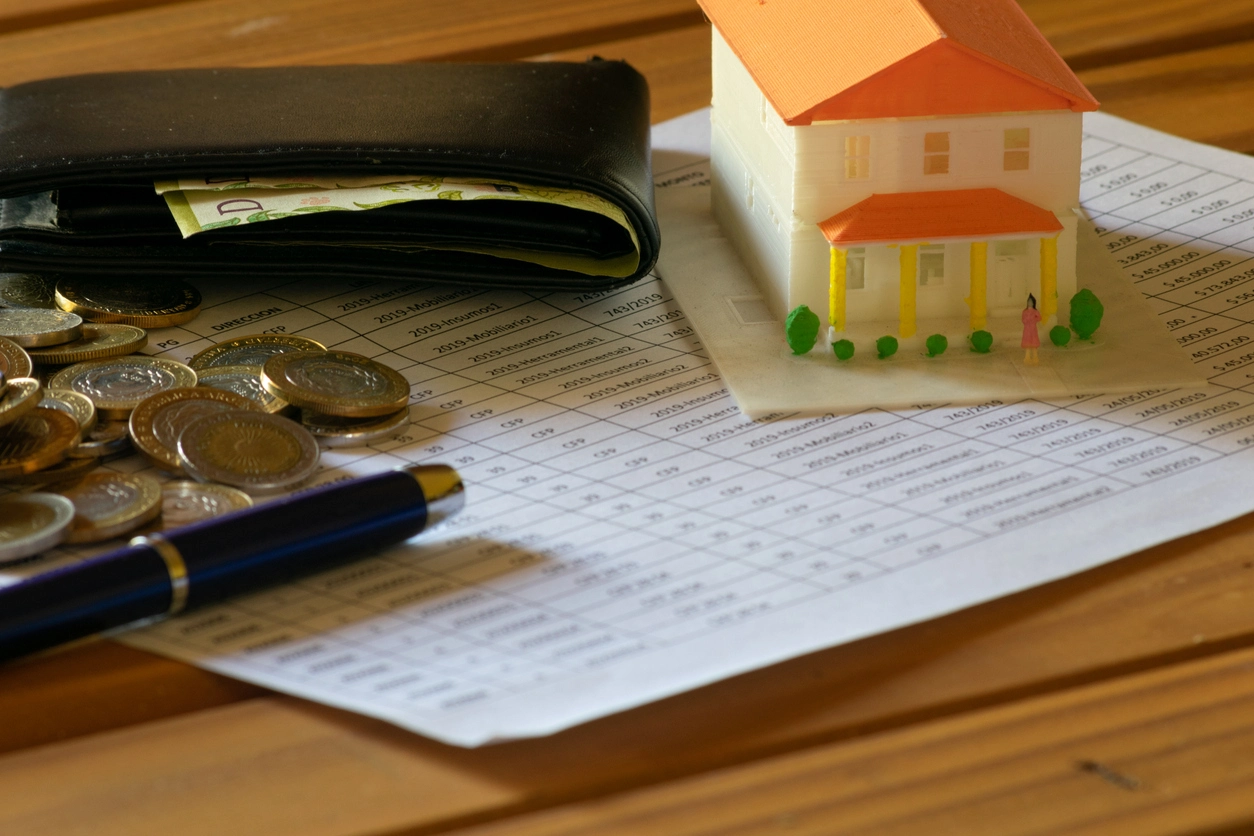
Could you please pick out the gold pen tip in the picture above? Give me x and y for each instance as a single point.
(442, 487)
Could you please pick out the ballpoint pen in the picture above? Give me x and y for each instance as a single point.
(163, 574)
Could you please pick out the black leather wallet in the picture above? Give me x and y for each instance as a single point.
(79, 157)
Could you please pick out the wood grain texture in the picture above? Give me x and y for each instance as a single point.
(1099, 33)
(676, 64)
(276, 32)
(1197, 94)
(1164, 752)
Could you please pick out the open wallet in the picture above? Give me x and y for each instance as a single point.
(525, 175)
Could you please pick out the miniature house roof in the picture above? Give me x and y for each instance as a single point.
(936, 216)
(819, 60)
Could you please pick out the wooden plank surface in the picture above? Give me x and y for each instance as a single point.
(983, 689)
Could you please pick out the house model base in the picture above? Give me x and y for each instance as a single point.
(1132, 351)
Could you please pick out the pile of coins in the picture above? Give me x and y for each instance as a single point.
(225, 419)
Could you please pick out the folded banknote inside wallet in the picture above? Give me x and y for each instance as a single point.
(521, 175)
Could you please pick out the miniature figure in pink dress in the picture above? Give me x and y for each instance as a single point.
(1031, 339)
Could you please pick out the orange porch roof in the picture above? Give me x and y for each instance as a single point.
(934, 216)
(861, 59)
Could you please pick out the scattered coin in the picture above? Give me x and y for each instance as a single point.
(79, 407)
(32, 523)
(252, 350)
(109, 504)
(148, 303)
(117, 385)
(255, 451)
(242, 380)
(158, 421)
(14, 361)
(37, 440)
(26, 290)
(184, 503)
(20, 397)
(336, 383)
(30, 327)
(99, 340)
(333, 431)
(64, 473)
(107, 440)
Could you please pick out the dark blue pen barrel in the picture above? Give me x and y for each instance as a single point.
(290, 537)
(82, 599)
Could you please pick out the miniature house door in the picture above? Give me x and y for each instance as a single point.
(1011, 275)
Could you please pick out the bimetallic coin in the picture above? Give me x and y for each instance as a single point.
(99, 340)
(35, 441)
(62, 474)
(30, 327)
(148, 303)
(79, 407)
(242, 380)
(252, 350)
(184, 503)
(254, 451)
(20, 397)
(26, 290)
(332, 431)
(107, 440)
(32, 523)
(157, 422)
(14, 361)
(109, 504)
(117, 385)
(336, 383)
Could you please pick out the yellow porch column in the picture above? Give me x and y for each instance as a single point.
(836, 290)
(909, 288)
(1049, 278)
(978, 300)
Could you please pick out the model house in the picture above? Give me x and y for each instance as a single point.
(896, 160)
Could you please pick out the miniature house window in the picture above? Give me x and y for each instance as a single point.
(857, 157)
(936, 153)
(855, 268)
(931, 265)
(1016, 145)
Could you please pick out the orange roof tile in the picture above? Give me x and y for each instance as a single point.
(933, 216)
(855, 59)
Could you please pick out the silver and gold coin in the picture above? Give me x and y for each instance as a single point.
(117, 385)
(242, 380)
(333, 431)
(32, 327)
(26, 290)
(336, 383)
(111, 504)
(79, 407)
(14, 361)
(99, 340)
(106, 440)
(32, 523)
(21, 396)
(148, 303)
(35, 441)
(184, 503)
(158, 421)
(254, 451)
(252, 350)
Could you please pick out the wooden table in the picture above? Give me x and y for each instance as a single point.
(1118, 701)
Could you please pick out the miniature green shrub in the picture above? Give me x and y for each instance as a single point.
(1060, 335)
(801, 329)
(936, 345)
(1086, 313)
(886, 347)
(981, 342)
(843, 349)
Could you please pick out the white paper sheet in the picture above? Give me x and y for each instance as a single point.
(630, 535)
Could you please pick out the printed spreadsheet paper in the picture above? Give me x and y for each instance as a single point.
(630, 535)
